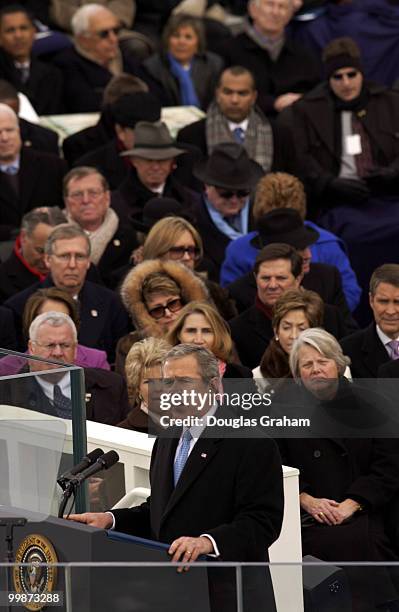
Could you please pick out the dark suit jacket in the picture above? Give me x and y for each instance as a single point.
(40, 184)
(230, 489)
(390, 369)
(284, 155)
(252, 331)
(43, 87)
(116, 256)
(14, 277)
(296, 70)
(103, 319)
(105, 399)
(366, 351)
(38, 138)
(84, 80)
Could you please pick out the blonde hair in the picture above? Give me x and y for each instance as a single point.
(279, 190)
(143, 355)
(222, 344)
(164, 234)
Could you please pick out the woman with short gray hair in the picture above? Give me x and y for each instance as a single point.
(347, 480)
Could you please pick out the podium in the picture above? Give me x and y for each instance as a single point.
(106, 588)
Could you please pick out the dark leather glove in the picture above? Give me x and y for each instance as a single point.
(347, 191)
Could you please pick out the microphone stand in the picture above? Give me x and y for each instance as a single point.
(9, 523)
(69, 488)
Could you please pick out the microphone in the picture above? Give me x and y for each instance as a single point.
(103, 463)
(88, 460)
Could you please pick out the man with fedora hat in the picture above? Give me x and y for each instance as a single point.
(278, 268)
(224, 211)
(152, 161)
(284, 225)
(126, 112)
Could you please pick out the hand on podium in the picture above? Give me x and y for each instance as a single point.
(188, 550)
(102, 520)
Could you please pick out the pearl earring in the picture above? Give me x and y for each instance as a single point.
(276, 338)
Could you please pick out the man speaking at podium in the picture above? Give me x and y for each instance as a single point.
(218, 496)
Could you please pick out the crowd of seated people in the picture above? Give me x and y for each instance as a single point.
(265, 230)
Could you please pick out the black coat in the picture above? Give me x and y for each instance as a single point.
(84, 80)
(366, 351)
(103, 319)
(38, 137)
(252, 331)
(40, 184)
(132, 194)
(108, 161)
(8, 336)
(230, 489)
(14, 277)
(319, 141)
(321, 278)
(296, 70)
(284, 153)
(116, 256)
(78, 144)
(43, 87)
(365, 470)
(105, 397)
(164, 85)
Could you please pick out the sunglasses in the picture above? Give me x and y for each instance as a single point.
(159, 311)
(105, 33)
(180, 251)
(351, 74)
(240, 193)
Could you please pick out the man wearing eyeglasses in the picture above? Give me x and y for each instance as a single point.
(103, 319)
(224, 211)
(347, 133)
(53, 337)
(87, 201)
(94, 58)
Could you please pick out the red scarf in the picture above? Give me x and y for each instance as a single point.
(18, 254)
(266, 310)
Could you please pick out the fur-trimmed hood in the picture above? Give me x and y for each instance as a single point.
(192, 288)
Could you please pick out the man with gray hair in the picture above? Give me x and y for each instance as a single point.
(102, 316)
(89, 65)
(209, 495)
(284, 69)
(27, 178)
(52, 336)
(25, 265)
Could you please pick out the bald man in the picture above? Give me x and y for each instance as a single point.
(89, 65)
(27, 178)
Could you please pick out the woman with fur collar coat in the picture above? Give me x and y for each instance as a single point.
(153, 293)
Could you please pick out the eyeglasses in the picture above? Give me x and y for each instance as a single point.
(159, 311)
(105, 33)
(66, 257)
(227, 194)
(78, 196)
(179, 252)
(351, 74)
(51, 346)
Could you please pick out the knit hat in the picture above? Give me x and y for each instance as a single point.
(341, 53)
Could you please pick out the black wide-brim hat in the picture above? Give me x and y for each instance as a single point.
(229, 167)
(284, 225)
(158, 208)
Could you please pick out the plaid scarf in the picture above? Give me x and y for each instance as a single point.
(258, 137)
